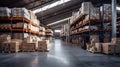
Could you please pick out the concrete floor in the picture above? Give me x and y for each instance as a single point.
(60, 55)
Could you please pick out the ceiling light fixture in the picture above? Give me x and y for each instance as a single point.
(50, 6)
(58, 21)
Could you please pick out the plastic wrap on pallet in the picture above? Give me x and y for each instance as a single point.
(5, 12)
(20, 12)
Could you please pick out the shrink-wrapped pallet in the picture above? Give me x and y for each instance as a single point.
(5, 12)
(20, 12)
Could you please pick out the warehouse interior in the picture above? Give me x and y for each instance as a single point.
(59, 33)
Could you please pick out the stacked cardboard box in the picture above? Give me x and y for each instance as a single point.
(117, 42)
(95, 38)
(6, 46)
(108, 48)
(5, 26)
(42, 46)
(98, 47)
(20, 35)
(94, 45)
(85, 7)
(107, 11)
(20, 25)
(4, 38)
(33, 18)
(20, 12)
(11, 46)
(15, 45)
(5, 12)
(26, 47)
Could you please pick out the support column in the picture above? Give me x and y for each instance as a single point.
(114, 30)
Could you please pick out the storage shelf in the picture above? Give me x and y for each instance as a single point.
(19, 19)
(92, 22)
(21, 30)
(78, 19)
(87, 31)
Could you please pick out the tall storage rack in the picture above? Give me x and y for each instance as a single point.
(12, 30)
(85, 34)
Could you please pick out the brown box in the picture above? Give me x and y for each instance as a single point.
(108, 48)
(6, 46)
(117, 49)
(88, 46)
(95, 38)
(4, 37)
(28, 47)
(42, 45)
(98, 47)
(116, 41)
(14, 46)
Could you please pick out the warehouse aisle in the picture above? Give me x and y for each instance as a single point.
(60, 55)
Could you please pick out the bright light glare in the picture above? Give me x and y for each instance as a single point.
(58, 21)
(57, 30)
(118, 8)
(50, 6)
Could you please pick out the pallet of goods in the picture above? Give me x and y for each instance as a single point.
(20, 12)
(42, 46)
(28, 47)
(5, 12)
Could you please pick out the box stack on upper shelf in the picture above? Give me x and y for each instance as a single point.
(5, 12)
(81, 20)
(49, 32)
(21, 24)
(65, 32)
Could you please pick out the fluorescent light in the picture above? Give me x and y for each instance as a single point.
(118, 8)
(50, 6)
(57, 30)
(58, 21)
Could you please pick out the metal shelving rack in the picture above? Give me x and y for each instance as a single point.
(85, 34)
(12, 30)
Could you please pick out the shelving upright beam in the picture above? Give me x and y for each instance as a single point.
(114, 30)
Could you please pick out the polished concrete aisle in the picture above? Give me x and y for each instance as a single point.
(61, 55)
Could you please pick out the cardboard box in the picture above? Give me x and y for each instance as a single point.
(5, 12)
(98, 47)
(6, 46)
(14, 46)
(95, 38)
(117, 49)
(108, 48)
(85, 7)
(28, 47)
(5, 37)
(20, 12)
(20, 35)
(42, 45)
(115, 41)
(88, 46)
